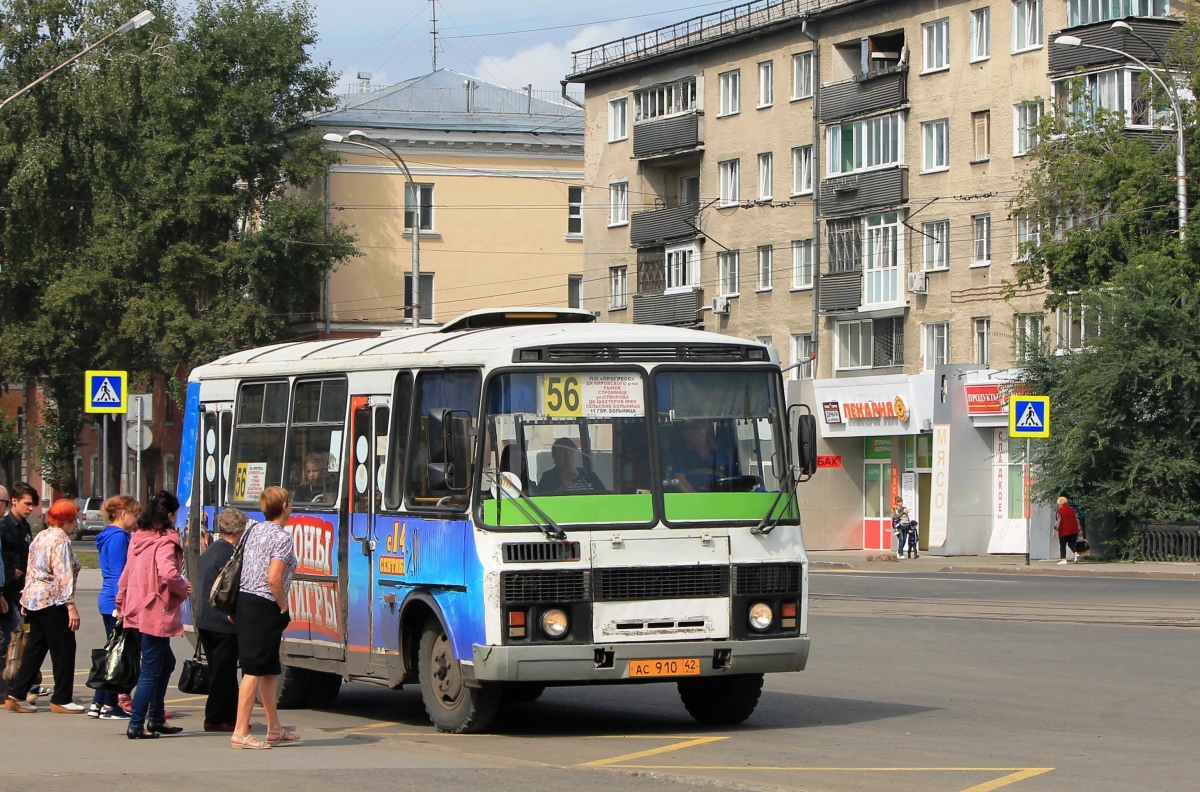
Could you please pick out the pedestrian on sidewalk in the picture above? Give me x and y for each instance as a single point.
(112, 546)
(904, 528)
(15, 537)
(1066, 525)
(48, 600)
(151, 590)
(218, 636)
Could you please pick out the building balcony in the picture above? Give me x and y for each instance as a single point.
(865, 94)
(841, 291)
(665, 136)
(676, 307)
(857, 192)
(1158, 32)
(663, 225)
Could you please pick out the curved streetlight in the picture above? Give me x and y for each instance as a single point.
(133, 23)
(1180, 153)
(357, 138)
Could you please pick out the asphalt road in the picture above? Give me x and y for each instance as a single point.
(925, 682)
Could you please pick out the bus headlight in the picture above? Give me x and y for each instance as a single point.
(554, 623)
(761, 616)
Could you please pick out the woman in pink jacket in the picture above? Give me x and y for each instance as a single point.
(151, 590)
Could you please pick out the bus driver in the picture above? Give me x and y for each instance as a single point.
(316, 487)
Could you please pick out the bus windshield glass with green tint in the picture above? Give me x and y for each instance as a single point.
(721, 445)
(572, 445)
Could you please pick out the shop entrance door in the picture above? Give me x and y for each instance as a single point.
(924, 487)
(877, 510)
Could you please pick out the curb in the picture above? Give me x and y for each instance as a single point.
(1071, 571)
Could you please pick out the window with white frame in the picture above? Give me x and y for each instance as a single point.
(618, 287)
(981, 135)
(727, 273)
(937, 345)
(766, 84)
(802, 75)
(731, 92)
(1026, 24)
(1078, 324)
(422, 208)
(802, 170)
(764, 267)
(766, 176)
(983, 341)
(937, 45)
(574, 291)
(1121, 91)
(1028, 237)
(618, 203)
(982, 253)
(680, 266)
(936, 244)
(1026, 117)
(861, 145)
(574, 210)
(803, 353)
(843, 238)
(981, 34)
(1085, 12)
(854, 344)
(1027, 336)
(802, 264)
(881, 262)
(730, 182)
(667, 99)
(618, 119)
(936, 136)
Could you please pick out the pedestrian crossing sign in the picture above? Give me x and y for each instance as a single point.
(1029, 416)
(104, 391)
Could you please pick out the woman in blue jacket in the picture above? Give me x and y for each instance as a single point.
(113, 546)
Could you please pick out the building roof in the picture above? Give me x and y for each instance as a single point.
(447, 100)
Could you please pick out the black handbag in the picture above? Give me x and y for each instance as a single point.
(223, 595)
(117, 666)
(193, 680)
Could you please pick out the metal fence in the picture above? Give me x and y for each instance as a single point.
(1167, 541)
(468, 98)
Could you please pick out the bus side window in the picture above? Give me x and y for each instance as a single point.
(438, 392)
(257, 458)
(397, 447)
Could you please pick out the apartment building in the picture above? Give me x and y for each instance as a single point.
(836, 180)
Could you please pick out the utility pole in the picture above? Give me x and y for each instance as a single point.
(434, 31)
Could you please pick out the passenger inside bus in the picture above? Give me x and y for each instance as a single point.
(566, 477)
(700, 461)
(316, 486)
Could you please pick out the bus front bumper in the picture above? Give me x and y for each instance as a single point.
(610, 662)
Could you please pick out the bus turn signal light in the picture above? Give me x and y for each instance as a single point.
(516, 624)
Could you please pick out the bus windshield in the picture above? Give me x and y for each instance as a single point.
(576, 444)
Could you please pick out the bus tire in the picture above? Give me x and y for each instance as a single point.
(721, 700)
(323, 688)
(450, 704)
(523, 692)
(293, 685)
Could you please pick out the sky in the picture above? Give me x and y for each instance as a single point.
(508, 43)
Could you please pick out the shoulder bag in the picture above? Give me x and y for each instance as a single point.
(16, 649)
(193, 680)
(223, 596)
(118, 665)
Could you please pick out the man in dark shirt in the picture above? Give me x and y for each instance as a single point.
(217, 636)
(15, 537)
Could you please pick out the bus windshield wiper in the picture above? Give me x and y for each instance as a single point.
(530, 511)
(766, 524)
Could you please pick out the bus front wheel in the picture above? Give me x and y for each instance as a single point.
(451, 705)
(721, 700)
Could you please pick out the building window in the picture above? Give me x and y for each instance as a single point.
(936, 245)
(1026, 117)
(689, 189)
(169, 472)
(1121, 91)
(574, 210)
(981, 34)
(574, 291)
(665, 100)
(854, 345)
(982, 225)
(96, 488)
(1077, 324)
(1028, 237)
(681, 266)
(882, 261)
(730, 182)
(937, 345)
(1027, 338)
(1085, 12)
(764, 267)
(802, 75)
(424, 211)
(802, 264)
(936, 135)
(766, 84)
(618, 119)
(802, 170)
(981, 134)
(868, 343)
(731, 93)
(844, 239)
(869, 143)
(424, 296)
(983, 342)
(618, 203)
(766, 176)
(618, 287)
(803, 352)
(937, 45)
(1026, 24)
(727, 273)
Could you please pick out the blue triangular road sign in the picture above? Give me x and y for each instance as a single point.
(105, 393)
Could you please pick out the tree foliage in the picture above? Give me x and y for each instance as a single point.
(154, 195)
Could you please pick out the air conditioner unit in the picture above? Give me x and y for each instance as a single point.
(720, 305)
(918, 283)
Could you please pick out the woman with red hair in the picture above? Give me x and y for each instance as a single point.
(49, 604)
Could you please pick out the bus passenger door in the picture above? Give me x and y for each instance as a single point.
(370, 441)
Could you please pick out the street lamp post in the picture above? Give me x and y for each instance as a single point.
(1180, 152)
(133, 23)
(357, 138)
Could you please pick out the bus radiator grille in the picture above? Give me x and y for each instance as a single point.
(526, 552)
(544, 586)
(651, 583)
(758, 579)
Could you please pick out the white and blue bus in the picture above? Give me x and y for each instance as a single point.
(519, 499)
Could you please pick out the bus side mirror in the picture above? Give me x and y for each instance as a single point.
(806, 444)
(450, 469)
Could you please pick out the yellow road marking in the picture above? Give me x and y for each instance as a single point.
(651, 752)
(1031, 770)
(186, 698)
(349, 729)
(1021, 775)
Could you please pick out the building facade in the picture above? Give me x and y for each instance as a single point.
(837, 179)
